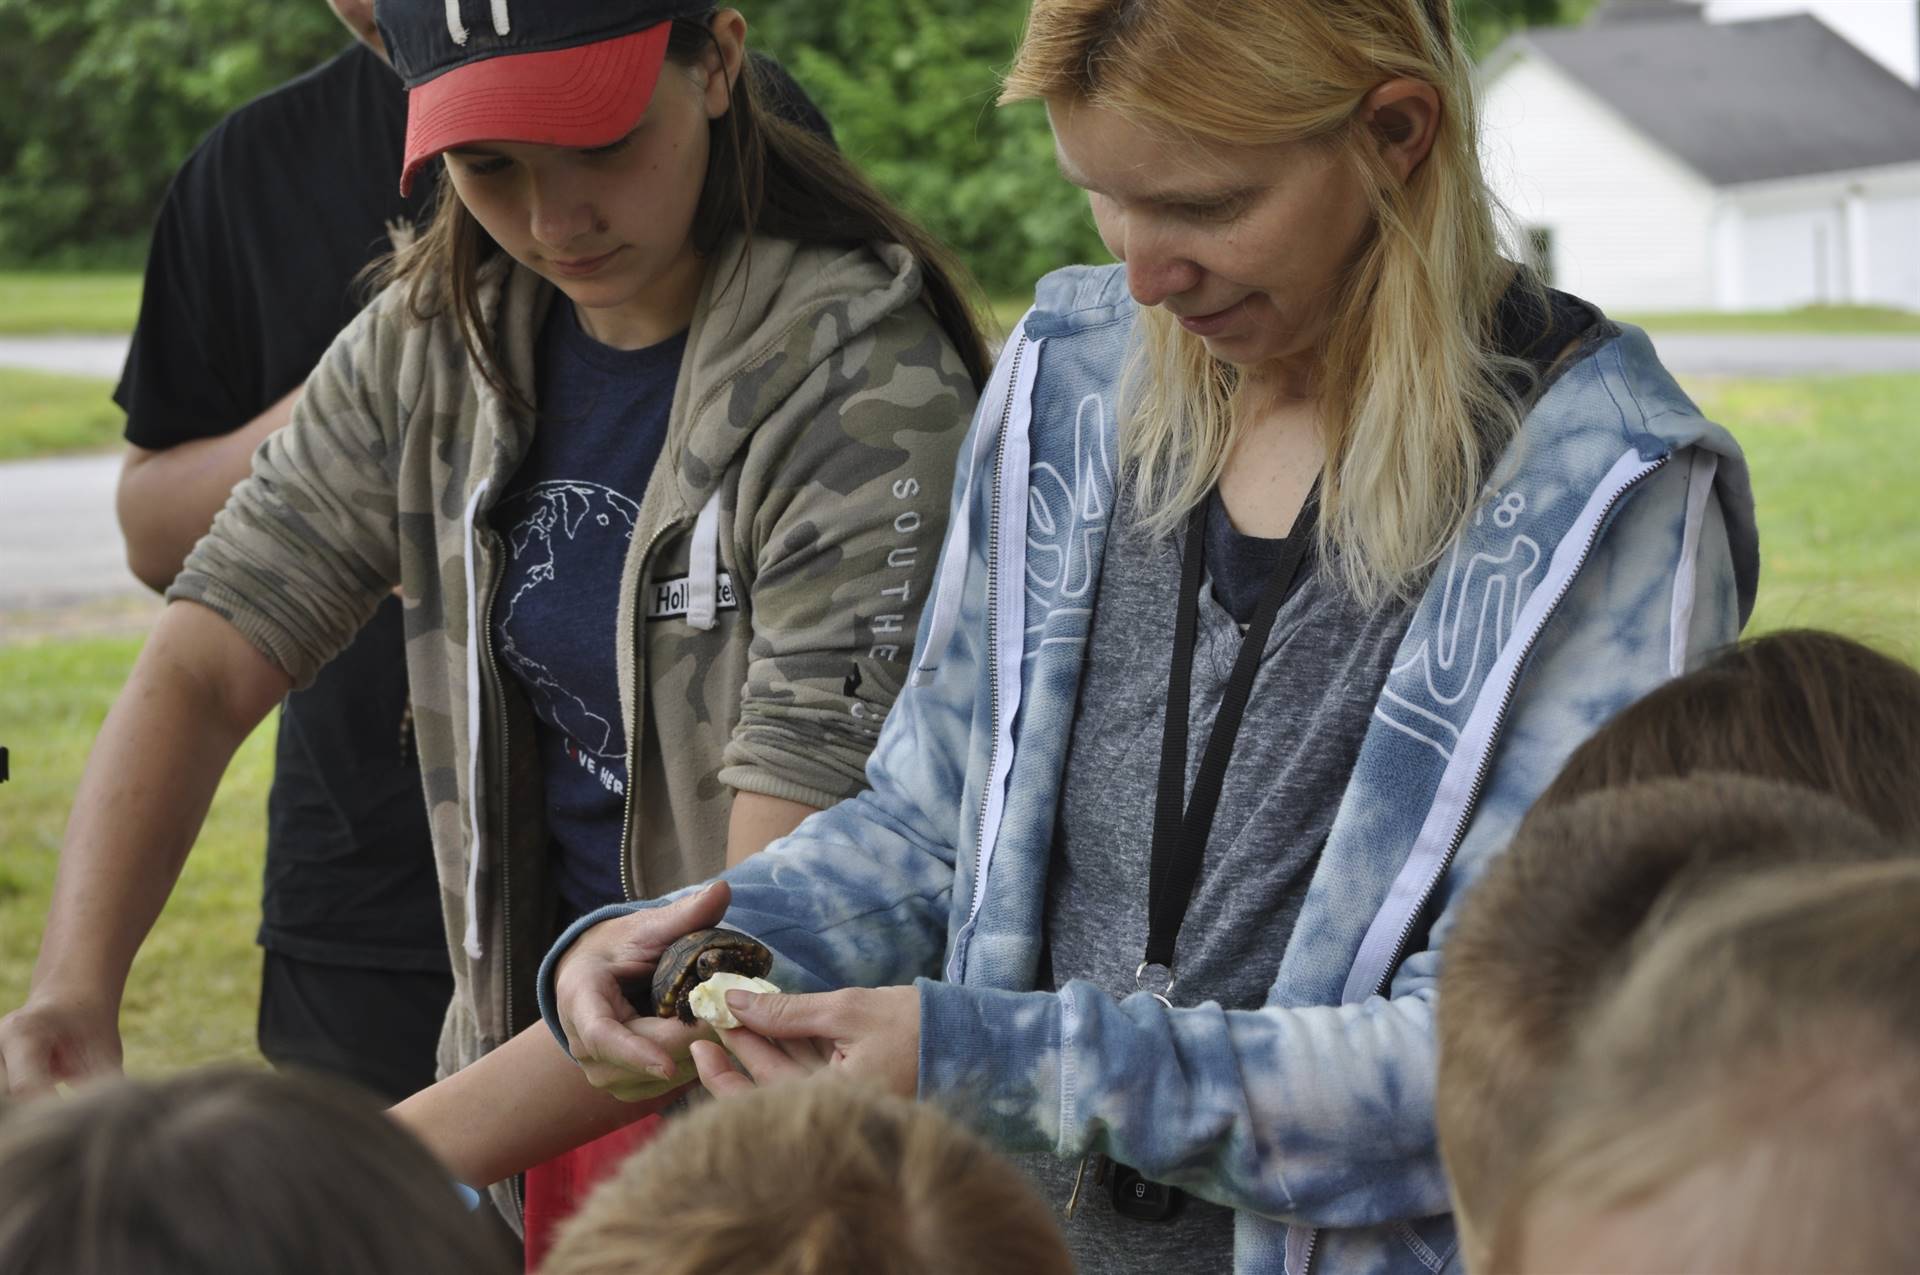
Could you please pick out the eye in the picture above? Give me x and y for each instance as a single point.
(480, 165)
(611, 148)
(1215, 210)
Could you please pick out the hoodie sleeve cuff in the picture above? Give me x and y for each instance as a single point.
(551, 964)
(993, 1060)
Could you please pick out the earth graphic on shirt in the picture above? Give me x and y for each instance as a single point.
(554, 523)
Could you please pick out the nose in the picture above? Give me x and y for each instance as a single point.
(561, 212)
(1156, 269)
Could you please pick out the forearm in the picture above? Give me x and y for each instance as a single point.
(521, 1105)
(166, 500)
(196, 691)
(1319, 1114)
(758, 820)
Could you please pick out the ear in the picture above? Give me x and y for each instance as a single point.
(1403, 116)
(723, 66)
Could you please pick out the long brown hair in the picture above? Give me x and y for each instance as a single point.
(764, 175)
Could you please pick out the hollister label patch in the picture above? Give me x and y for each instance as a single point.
(667, 599)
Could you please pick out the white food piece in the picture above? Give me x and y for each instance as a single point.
(709, 1000)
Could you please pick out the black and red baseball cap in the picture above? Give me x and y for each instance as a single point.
(576, 73)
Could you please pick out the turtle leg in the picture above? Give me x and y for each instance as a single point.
(686, 1010)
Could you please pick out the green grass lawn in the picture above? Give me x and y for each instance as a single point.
(1835, 471)
(1813, 318)
(43, 414)
(192, 994)
(34, 304)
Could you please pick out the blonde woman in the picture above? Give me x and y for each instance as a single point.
(1288, 562)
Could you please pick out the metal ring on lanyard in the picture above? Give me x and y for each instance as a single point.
(1140, 976)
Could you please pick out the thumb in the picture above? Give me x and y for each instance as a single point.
(697, 911)
(782, 1017)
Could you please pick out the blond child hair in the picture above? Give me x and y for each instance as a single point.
(1548, 931)
(813, 1178)
(1748, 1098)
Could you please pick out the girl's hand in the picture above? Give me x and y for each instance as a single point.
(622, 1048)
(869, 1033)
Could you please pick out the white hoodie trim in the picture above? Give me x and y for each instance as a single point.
(475, 804)
(703, 566)
(1680, 629)
(1008, 576)
(953, 554)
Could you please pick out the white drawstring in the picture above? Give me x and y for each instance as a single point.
(456, 28)
(703, 566)
(500, 24)
(475, 636)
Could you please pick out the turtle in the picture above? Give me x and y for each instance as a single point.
(698, 956)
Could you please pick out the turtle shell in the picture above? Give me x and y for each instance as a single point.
(697, 957)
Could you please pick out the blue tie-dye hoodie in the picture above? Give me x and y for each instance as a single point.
(1613, 547)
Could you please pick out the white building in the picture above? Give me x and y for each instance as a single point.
(1661, 159)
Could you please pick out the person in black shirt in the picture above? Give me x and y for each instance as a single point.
(251, 275)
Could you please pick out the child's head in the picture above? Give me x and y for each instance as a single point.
(227, 1171)
(1747, 1099)
(1810, 708)
(807, 1179)
(1548, 930)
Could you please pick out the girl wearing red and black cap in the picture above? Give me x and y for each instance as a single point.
(653, 430)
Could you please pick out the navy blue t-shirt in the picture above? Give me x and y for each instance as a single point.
(568, 519)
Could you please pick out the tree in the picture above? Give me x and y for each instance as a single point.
(910, 87)
(100, 100)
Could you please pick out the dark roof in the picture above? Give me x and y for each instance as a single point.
(1744, 101)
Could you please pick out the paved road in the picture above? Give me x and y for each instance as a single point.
(59, 543)
(75, 355)
(60, 547)
(1687, 353)
(1785, 354)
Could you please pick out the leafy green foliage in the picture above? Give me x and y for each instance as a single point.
(100, 100)
(910, 87)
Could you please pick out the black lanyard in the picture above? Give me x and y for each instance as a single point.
(1180, 828)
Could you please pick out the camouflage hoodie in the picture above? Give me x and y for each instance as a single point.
(775, 575)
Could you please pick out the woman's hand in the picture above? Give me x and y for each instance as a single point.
(629, 1052)
(869, 1033)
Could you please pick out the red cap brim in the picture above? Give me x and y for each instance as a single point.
(591, 95)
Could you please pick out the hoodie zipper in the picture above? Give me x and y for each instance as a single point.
(639, 666)
(993, 630)
(514, 1184)
(1485, 765)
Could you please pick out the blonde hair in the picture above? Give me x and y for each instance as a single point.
(1549, 928)
(1757, 1073)
(811, 1179)
(1411, 398)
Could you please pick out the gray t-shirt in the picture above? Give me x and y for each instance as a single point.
(1325, 662)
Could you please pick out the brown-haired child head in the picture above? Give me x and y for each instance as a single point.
(1803, 706)
(1747, 1099)
(1548, 930)
(227, 1172)
(813, 1178)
